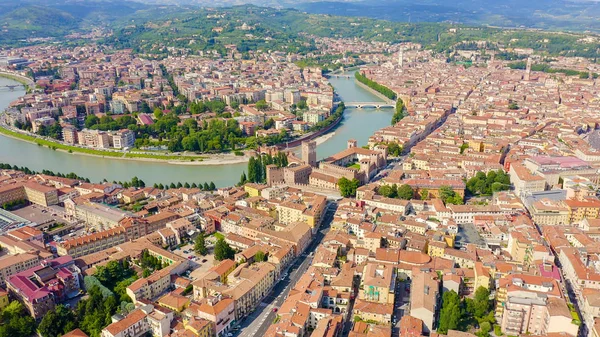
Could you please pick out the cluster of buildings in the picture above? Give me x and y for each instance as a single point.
(90, 81)
(385, 263)
(352, 163)
(42, 273)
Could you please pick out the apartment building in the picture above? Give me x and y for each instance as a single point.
(425, 298)
(97, 216)
(152, 286)
(219, 310)
(584, 208)
(42, 287)
(537, 315)
(11, 265)
(92, 243)
(524, 181)
(517, 284)
(247, 285)
(576, 272)
(371, 311)
(41, 194)
(310, 210)
(12, 192)
(196, 327)
(145, 320)
(377, 283)
(548, 212)
(123, 139)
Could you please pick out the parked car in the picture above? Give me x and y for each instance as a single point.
(275, 309)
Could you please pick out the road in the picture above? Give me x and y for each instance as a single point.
(400, 307)
(257, 323)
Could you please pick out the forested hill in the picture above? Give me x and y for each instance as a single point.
(289, 30)
(568, 15)
(151, 30)
(27, 19)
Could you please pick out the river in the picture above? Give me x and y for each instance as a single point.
(357, 123)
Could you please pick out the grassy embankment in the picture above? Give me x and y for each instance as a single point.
(94, 152)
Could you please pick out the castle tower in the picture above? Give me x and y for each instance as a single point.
(352, 143)
(528, 69)
(309, 153)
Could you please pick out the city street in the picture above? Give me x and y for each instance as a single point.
(400, 306)
(257, 323)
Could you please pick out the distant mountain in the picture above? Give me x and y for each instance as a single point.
(543, 14)
(36, 21)
(21, 19)
(576, 15)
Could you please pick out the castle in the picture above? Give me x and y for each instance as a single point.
(352, 163)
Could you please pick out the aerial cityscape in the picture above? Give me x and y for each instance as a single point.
(299, 168)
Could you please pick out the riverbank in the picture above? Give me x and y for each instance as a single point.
(26, 81)
(374, 92)
(219, 159)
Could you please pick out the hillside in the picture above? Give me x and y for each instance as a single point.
(543, 14)
(55, 18)
(35, 21)
(287, 30)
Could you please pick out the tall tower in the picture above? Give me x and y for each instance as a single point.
(401, 58)
(528, 69)
(309, 153)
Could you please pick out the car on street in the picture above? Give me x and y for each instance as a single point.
(190, 257)
(275, 309)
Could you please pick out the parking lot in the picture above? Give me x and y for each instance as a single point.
(200, 264)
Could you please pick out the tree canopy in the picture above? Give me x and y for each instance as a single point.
(223, 251)
(200, 245)
(348, 187)
(16, 321)
(494, 181)
(449, 196)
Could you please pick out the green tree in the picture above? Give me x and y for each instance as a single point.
(424, 194)
(260, 256)
(348, 187)
(482, 304)
(243, 179)
(450, 313)
(449, 196)
(223, 251)
(212, 186)
(16, 321)
(302, 105)
(399, 113)
(91, 120)
(269, 123)
(394, 191)
(58, 322)
(394, 149)
(200, 245)
(463, 147)
(385, 190)
(262, 105)
(405, 192)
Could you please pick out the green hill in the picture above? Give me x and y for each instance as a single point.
(36, 21)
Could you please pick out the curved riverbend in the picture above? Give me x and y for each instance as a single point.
(358, 124)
